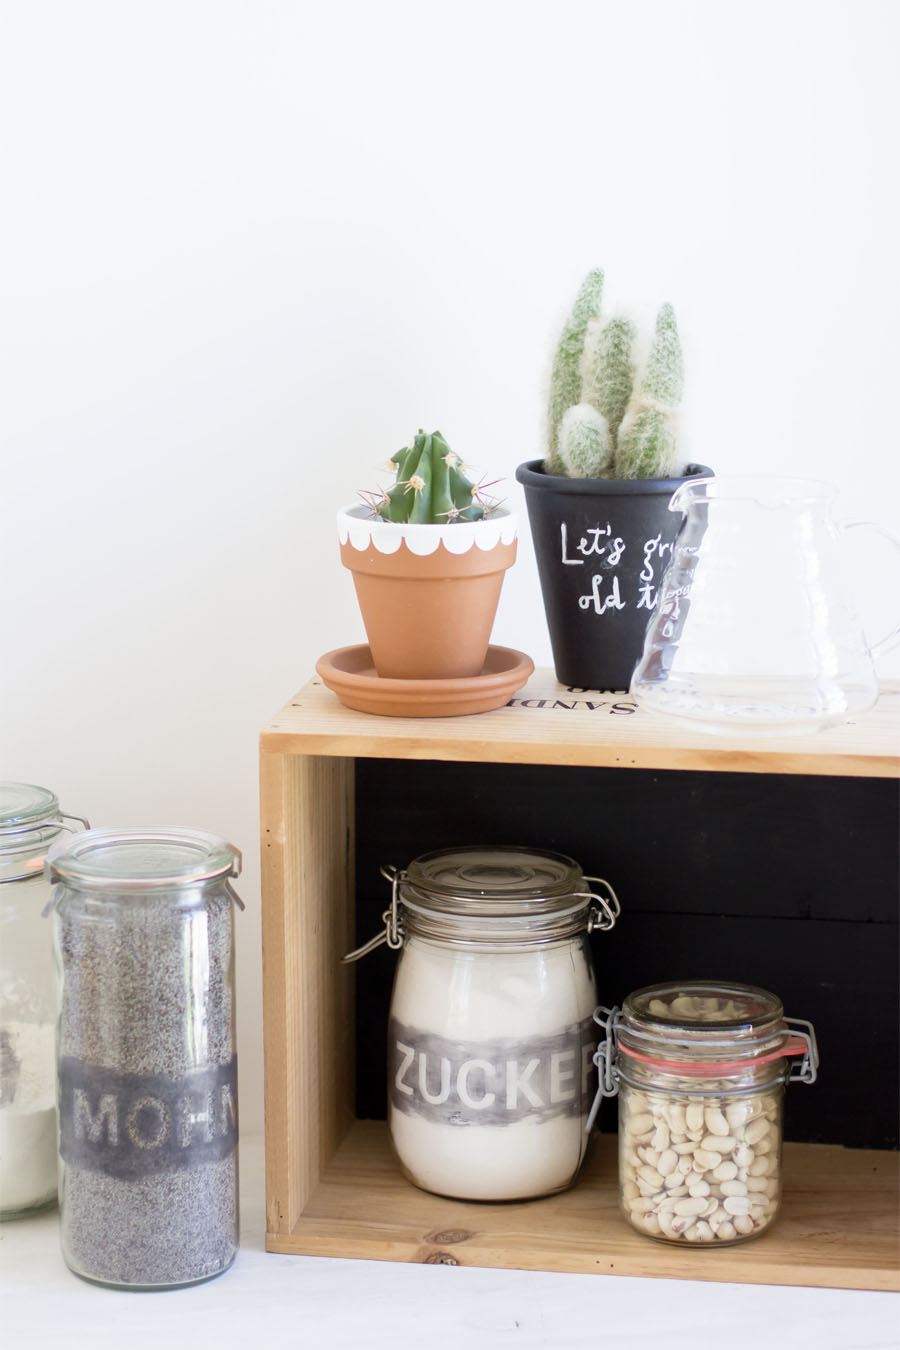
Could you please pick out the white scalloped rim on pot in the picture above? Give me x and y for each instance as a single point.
(357, 524)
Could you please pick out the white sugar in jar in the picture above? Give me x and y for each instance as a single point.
(490, 1038)
(30, 822)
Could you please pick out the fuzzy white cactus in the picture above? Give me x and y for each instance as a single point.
(647, 443)
(565, 381)
(633, 432)
(586, 448)
(607, 368)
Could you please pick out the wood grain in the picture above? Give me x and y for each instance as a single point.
(547, 724)
(837, 1228)
(307, 920)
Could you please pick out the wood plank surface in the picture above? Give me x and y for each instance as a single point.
(307, 924)
(546, 723)
(837, 1229)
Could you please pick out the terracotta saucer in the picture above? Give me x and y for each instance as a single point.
(350, 673)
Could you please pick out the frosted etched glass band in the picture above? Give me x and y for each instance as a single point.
(356, 525)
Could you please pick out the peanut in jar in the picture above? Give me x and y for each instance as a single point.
(699, 1169)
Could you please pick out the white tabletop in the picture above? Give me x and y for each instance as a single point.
(317, 1302)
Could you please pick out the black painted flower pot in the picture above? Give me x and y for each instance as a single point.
(602, 545)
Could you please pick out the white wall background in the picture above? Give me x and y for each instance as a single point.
(253, 244)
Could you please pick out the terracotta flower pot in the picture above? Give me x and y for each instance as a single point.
(428, 593)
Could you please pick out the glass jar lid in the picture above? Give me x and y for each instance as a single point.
(142, 860)
(701, 1022)
(492, 893)
(705, 1037)
(25, 807)
(491, 880)
(30, 819)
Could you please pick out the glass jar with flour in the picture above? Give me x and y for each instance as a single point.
(490, 1037)
(699, 1068)
(147, 1071)
(30, 821)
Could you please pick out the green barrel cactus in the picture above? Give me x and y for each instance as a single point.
(431, 486)
(605, 419)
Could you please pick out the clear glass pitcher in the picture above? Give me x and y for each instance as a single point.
(754, 627)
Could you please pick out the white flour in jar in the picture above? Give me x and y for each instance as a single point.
(28, 1117)
(490, 1072)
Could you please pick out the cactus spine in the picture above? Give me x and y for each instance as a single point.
(431, 486)
(600, 425)
(565, 380)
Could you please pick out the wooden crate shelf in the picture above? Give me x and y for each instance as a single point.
(546, 724)
(837, 1226)
(332, 1187)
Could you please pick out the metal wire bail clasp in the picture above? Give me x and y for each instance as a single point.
(807, 1070)
(605, 909)
(233, 895)
(35, 865)
(604, 1058)
(392, 933)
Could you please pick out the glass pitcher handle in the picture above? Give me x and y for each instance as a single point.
(890, 640)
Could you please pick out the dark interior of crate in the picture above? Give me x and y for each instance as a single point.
(786, 881)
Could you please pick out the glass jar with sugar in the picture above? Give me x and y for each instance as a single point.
(490, 1037)
(30, 821)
